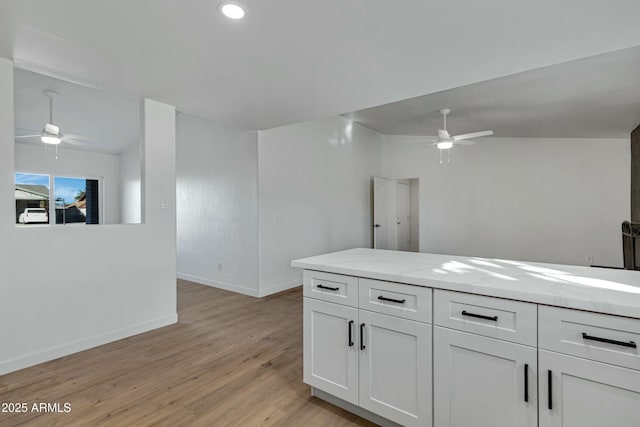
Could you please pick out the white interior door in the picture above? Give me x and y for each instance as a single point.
(384, 214)
(403, 217)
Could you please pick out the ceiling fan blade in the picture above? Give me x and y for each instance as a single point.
(464, 142)
(419, 140)
(72, 141)
(28, 136)
(73, 135)
(473, 135)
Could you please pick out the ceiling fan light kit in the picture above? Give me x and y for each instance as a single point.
(50, 139)
(51, 134)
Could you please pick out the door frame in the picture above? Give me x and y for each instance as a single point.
(372, 204)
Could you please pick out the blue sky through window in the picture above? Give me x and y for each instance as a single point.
(32, 179)
(68, 188)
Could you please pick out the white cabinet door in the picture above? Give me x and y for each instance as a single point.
(330, 350)
(395, 368)
(585, 393)
(480, 381)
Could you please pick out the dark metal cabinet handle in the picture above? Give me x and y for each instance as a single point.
(376, 226)
(350, 333)
(327, 287)
(607, 340)
(549, 379)
(399, 301)
(362, 346)
(479, 316)
(526, 382)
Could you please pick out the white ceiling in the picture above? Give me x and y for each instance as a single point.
(596, 97)
(292, 60)
(105, 123)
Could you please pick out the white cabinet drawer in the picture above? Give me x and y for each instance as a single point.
(397, 299)
(492, 317)
(601, 337)
(331, 287)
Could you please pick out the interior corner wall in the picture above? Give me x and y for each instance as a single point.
(314, 194)
(217, 213)
(130, 189)
(546, 200)
(635, 175)
(76, 164)
(66, 289)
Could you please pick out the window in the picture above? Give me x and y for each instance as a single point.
(72, 201)
(76, 200)
(32, 198)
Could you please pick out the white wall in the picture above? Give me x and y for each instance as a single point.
(314, 187)
(130, 190)
(217, 212)
(549, 200)
(85, 286)
(76, 164)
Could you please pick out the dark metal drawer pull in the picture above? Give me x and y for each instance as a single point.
(362, 346)
(350, 333)
(526, 382)
(479, 316)
(399, 301)
(607, 340)
(327, 287)
(550, 392)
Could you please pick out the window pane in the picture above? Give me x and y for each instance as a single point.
(72, 200)
(32, 198)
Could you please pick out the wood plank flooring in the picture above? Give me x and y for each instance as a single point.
(232, 360)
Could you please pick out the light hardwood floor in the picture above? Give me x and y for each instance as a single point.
(232, 360)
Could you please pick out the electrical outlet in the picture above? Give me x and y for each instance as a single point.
(164, 204)
(219, 266)
(589, 259)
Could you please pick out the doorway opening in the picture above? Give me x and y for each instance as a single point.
(396, 214)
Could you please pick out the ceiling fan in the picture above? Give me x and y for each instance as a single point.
(446, 141)
(51, 133)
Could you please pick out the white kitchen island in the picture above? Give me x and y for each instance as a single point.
(424, 339)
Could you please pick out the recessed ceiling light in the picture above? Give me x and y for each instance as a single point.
(232, 10)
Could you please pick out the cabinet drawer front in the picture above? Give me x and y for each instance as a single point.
(406, 301)
(331, 287)
(492, 317)
(600, 337)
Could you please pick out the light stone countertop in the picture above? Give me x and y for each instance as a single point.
(603, 290)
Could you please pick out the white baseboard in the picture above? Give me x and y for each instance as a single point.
(239, 289)
(218, 284)
(85, 344)
(282, 287)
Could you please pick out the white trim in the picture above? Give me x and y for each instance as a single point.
(279, 288)
(218, 284)
(85, 344)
